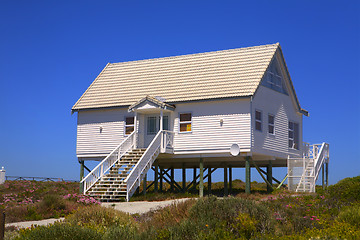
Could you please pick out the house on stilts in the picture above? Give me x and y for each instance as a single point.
(226, 109)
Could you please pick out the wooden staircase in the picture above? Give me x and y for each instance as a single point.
(111, 186)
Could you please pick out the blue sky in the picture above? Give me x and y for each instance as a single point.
(51, 51)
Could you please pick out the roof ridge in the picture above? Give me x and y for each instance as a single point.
(197, 54)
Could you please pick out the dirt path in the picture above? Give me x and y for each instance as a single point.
(129, 207)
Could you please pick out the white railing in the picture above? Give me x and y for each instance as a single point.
(133, 180)
(104, 166)
(322, 155)
(167, 140)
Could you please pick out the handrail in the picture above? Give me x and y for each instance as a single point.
(167, 140)
(320, 159)
(110, 160)
(144, 162)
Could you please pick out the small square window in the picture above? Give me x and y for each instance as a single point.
(185, 122)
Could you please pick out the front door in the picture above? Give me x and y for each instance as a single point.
(152, 123)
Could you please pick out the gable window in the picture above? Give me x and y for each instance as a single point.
(271, 124)
(129, 125)
(185, 122)
(294, 135)
(258, 120)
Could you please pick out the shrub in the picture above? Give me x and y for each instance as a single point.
(350, 215)
(58, 231)
(346, 190)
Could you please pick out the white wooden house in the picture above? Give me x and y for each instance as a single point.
(187, 112)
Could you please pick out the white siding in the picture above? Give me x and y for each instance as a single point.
(207, 133)
(89, 138)
(281, 106)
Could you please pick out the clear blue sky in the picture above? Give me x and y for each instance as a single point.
(51, 51)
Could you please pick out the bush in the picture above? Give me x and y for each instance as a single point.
(346, 190)
(350, 215)
(58, 231)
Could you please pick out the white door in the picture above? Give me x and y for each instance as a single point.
(152, 123)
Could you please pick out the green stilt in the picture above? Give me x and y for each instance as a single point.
(247, 175)
(144, 184)
(194, 173)
(269, 177)
(172, 179)
(156, 177)
(209, 180)
(81, 190)
(230, 179)
(226, 192)
(201, 184)
(161, 178)
(183, 177)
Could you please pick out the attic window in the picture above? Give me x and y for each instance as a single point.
(185, 122)
(273, 78)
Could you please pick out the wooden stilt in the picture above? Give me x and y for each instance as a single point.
(269, 177)
(183, 178)
(226, 192)
(161, 178)
(172, 179)
(201, 185)
(144, 184)
(81, 189)
(209, 180)
(230, 179)
(327, 175)
(194, 181)
(322, 176)
(156, 177)
(247, 175)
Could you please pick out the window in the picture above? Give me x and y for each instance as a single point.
(129, 125)
(165, 123)
(151, 125)
(185, 122)
(258, 120)
(271, 124)
(294, 135)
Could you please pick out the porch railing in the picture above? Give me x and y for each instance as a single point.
(104, 166)
(167, 140)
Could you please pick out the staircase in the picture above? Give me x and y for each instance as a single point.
(119, 175)
(303, 172)
(111, 187)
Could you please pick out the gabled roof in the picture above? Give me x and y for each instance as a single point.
(153, 100)
(201, 76)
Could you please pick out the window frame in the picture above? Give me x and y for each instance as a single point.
(295, 137)
(256, 120)
(129, 125)
(156, 125)
(185, 122)
(271, 124)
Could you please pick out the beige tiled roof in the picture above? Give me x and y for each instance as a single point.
(219, 74)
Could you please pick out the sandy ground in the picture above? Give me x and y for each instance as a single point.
(129, 207)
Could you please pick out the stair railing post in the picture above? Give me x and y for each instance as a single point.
(135, 130)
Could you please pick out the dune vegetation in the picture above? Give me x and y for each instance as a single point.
(330, 214)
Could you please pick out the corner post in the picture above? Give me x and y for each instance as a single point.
(327, 175)
(144, 184)
(172, 179)
(323, 176)
(135, 130)
(247, 175)
(230, 179)
(194, 180)
(209, 180)
(201, 185)
(161, 178)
